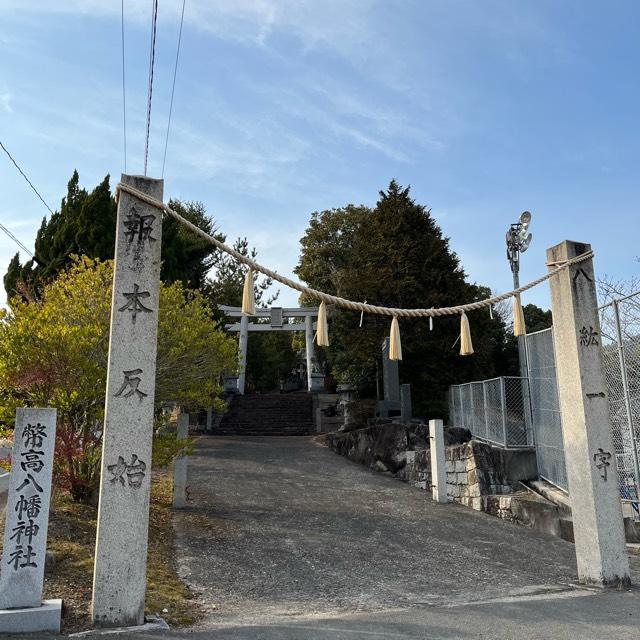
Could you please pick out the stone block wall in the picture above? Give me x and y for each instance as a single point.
(475, 470)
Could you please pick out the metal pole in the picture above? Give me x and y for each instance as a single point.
(627, 396)
(486, 416)
(522, 344)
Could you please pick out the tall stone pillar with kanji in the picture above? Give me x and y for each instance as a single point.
(119, 578)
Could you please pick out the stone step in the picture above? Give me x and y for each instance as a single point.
(268, 414)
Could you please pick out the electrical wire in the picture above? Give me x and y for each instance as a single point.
(25, 177)
(173, 89)
(3, 228)
(124, 98)
(152, 55)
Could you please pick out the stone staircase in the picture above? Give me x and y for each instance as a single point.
(286, 414)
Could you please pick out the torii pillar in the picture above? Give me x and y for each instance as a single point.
(308, 342)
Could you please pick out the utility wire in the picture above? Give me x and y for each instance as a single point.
(16, 240)
(173, 88)
(152, 55)
(25, 177)
(124, 98)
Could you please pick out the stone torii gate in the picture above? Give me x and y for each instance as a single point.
(277, 316)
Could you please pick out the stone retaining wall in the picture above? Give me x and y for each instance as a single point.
(475, 470)
(472, 473)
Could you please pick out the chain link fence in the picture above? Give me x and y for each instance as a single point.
(620, 328)
(545, 408)
(516, 412)
(496, 410)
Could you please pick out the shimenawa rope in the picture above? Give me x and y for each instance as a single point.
(336, 300)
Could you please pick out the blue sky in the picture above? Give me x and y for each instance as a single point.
(284, 107)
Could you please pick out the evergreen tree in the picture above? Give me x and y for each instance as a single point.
(396, 256)
(186, 257)
(227, 281)
(85, 225)
(535, 318)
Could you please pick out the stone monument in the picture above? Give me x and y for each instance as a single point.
(180, 466)
(119, 578)
(590, 457)
(390, 405)
(406, 412)
(26, 524)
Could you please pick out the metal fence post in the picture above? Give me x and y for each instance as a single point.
(503, 403)
(627, 396)
(486, 416)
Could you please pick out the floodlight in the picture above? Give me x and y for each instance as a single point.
(525, 218)
(524, 244)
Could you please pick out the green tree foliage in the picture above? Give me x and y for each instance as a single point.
(227, 281)
(535, 318)
(395, 255)
(53, 352)
(186, 257)
(270, 357)
(86, 224)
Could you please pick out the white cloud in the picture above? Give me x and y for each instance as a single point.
(251, 21)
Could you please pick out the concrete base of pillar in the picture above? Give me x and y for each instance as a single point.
(46, 617)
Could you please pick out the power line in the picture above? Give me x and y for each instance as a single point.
(25, 177)
(124, 98)
(152, 55)
(16, 240)
(173, 88)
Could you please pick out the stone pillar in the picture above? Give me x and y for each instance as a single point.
(308, 342)
(25, 528)
(242, 352)
(438, 464)
(588, 448)
(180, 466)
(119, 577)
(209, 425)
(390, 375)
(406, 413)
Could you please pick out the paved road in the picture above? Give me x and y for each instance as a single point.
(572, 616)
(285, 539)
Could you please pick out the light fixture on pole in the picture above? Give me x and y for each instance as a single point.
(518, 241)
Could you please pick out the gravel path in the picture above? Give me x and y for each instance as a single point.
(282, 527)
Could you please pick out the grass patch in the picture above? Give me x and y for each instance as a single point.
(71, 543)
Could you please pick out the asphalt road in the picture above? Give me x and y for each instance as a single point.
(285, 540)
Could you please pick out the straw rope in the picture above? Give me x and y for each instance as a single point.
(336, 300)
